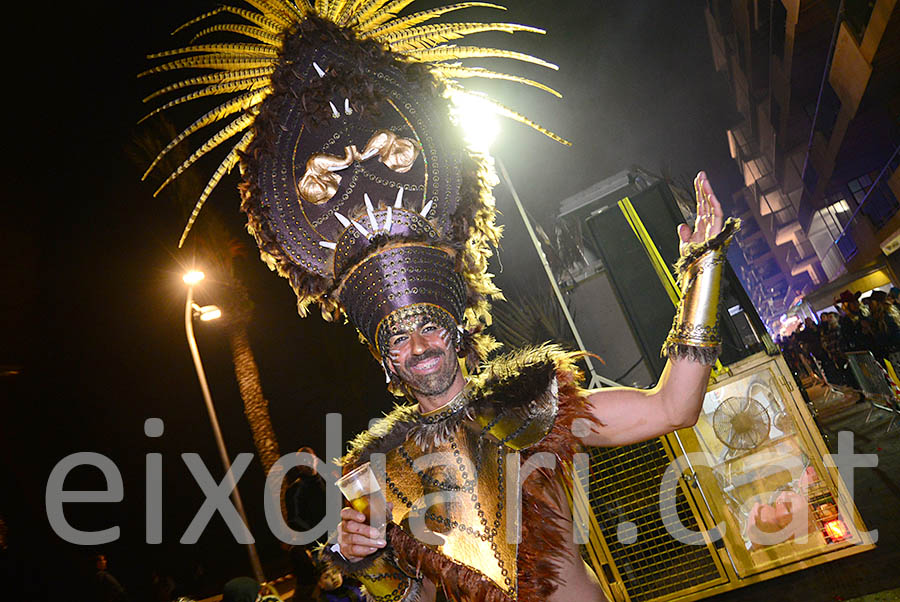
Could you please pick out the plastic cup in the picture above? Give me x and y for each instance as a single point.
(361, 489)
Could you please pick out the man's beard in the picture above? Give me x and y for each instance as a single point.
(436, 383)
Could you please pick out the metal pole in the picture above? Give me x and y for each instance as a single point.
(595, 378)
(220, 442)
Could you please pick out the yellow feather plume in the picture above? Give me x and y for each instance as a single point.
(238, 125)
(212, 61)
(256, 33)
(458, 71)
(224, 167)
(210, 78)
(383, 14)
(288, 9)
(256, 18)
(367, 10)
(233, 48)
(337, 6)
(276, 15)
(421, 17)
(212, 90)
(199, 18)
(428, 36)
(348, 11)
(503, 111)
(238, 103)
(453, 52)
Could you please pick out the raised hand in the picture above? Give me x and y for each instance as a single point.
(709, 215)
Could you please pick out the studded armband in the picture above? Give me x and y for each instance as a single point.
(695, 330)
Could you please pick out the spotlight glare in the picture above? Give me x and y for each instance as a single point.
(477, 118)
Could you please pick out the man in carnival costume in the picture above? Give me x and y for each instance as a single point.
(360, 191)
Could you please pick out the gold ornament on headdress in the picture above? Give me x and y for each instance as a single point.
(320, 182)
(243, 71)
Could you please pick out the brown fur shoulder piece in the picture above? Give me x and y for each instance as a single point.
(544, 528)
(509, 383)
(388, 433)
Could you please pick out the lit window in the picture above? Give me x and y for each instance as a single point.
(825, 234)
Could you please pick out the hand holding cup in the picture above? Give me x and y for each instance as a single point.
(363, 524)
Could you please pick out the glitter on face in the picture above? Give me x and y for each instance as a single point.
(422, 356)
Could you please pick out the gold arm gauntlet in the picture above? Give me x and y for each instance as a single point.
(695, 330)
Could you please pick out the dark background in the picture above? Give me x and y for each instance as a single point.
(93, 341)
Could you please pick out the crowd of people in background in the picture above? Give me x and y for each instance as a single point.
(868, 324)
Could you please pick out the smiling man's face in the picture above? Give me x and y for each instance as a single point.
(422, 354)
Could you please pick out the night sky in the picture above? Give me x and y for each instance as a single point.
(93, 300)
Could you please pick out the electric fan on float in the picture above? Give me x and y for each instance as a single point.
(741, 423)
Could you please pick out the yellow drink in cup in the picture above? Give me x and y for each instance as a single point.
(365, 495)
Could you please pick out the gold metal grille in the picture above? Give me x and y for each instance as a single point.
(624, 487)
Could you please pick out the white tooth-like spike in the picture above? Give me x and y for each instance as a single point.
(360, 227)
(368, 155)
(344, 221)
(347, 109)
(371, 212)
(389, 220)
(318, 69)
(426, 209)
(328, 245)
(334, 111)
(399, 202)
(387, 377)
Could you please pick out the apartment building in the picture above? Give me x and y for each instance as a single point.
(817, 86)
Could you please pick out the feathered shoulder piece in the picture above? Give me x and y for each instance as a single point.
(339, 115)
(514, 398)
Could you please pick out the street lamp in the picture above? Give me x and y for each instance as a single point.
(206, 313)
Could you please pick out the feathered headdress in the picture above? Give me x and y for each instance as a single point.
(357, 186)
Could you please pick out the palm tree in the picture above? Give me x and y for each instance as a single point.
(212, 241)
(219, 255)
(530, 314)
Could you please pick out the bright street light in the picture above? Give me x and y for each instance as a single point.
(193, 277)
(477, 118)
(207, 312)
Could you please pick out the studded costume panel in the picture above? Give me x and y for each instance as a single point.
(451, 498)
